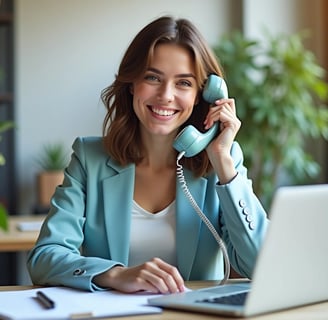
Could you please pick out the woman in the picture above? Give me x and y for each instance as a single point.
(120, 219)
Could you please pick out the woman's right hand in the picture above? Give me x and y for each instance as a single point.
(155, 276)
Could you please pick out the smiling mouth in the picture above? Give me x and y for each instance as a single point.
(163, 112)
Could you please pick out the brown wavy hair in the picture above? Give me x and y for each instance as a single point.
(121, 126)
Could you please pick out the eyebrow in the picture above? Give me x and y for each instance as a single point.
(181, 75)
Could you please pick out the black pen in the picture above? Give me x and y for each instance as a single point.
(44, 300)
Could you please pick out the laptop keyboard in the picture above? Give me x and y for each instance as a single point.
(237, 299)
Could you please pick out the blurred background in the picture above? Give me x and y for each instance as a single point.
(57, 56)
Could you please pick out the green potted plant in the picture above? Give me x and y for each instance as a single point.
(52, 161)
(280, 95)
(4, 126)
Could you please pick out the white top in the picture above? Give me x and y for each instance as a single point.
(152, 235)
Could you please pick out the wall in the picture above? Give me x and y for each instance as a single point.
(66, 53)
(281, 16)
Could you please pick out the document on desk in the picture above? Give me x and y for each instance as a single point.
(72, 304)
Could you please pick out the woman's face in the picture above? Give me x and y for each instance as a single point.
(164, 97)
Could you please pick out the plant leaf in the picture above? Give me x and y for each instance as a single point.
(3, 218)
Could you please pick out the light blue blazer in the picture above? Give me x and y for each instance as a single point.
(88, 227)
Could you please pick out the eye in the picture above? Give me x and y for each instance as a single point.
(151, 78)
(184, 83)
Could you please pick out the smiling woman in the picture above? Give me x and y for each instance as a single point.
(118, 217)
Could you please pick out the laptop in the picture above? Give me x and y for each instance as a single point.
(291, 268)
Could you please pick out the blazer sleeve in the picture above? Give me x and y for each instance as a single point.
(56, 257)
(243, 220)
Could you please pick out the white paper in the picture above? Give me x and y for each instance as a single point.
(71, 303)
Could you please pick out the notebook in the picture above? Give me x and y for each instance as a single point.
(291, 269)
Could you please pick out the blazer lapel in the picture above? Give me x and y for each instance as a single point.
(118, 195)
(188, 222)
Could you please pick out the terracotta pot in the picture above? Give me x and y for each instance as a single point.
(47, 181)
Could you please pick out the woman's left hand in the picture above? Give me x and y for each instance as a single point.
(218, 150)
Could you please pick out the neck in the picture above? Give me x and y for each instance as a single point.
(158, 152)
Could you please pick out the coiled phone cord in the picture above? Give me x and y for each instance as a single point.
(208, 223)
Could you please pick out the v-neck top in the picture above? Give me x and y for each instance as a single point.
(152, 235)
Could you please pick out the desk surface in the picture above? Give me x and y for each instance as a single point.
(311, 312)
(15, 240)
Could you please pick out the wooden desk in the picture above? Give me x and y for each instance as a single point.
(312, 312)
(15, 240)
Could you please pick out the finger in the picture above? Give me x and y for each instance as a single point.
(212, 117)
(223, 114)
(150, 283)
(230, 102)
(223, 106)
(173, 271)
(164, 276)
(156, 282)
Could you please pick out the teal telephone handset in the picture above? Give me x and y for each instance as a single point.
(190, 141)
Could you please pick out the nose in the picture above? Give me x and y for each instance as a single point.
(166, 92)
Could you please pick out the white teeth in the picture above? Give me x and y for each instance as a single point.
(162, 112)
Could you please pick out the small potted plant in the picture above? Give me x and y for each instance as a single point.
(4, 125)
(52, 161)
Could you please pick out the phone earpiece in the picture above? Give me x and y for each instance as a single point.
(190, 141)
(215, 88)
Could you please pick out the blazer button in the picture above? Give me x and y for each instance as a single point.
(251, 225)
(242, 203)
(79, 272)
(246, 211)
